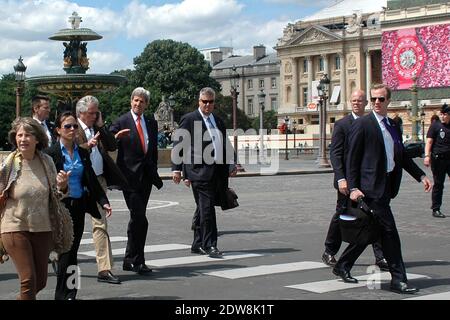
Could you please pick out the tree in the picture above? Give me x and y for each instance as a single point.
(167, 67)
(269, 121)
(224, 109)
(7, 108)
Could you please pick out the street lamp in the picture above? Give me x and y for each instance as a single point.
(322, 89)
(19, 72)
(422, 118)
(294, 123)
(171, 102)
(286, 122)
(261, 97)
(234, 81)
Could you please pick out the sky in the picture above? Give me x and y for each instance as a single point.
(128, 26)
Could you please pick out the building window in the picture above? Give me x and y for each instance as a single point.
(332, 119)
(337, 62)
(250, 84)
(273, 104)
(250, 106)
(305, 65)
(273, 83)
(261, 83)
(321, 64)
(315, 119)
(300, 121)
(305, 96)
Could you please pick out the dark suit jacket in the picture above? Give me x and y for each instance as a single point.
(95, 192)
(194, 166)
(338, 149)
(366, 164)
(51, 128)
(106, 142)
(138, 167)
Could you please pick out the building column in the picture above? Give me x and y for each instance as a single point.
(295, 81)
(310, 77)
(368, 71)
(325, 64)
(342, 80)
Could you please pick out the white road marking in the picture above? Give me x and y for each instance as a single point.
(112, 239)
(152, 204)
(267, 269)
(338, 284)
(153, 248)
(199, 259)
(434, 296)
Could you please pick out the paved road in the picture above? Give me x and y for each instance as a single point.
(272, 246)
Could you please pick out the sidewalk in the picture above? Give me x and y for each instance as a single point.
(301, 164)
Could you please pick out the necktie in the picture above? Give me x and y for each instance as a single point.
(393, 132)
(141, 133)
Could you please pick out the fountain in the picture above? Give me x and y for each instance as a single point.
(73, 85)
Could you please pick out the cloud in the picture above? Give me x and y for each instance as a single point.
(306, 3)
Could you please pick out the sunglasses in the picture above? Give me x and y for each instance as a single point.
(70, 125)
(207, 101)
(381, 99)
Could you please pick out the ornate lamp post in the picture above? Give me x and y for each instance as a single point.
(322, 89)
(261, 97)
(286, 122)
(234, 79)
(19, 72)
(294, 123)
(171, 102)
(414, 112)
(422, 118)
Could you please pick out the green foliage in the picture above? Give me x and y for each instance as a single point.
(224, 109)
(167, 67)
(7, 108)
(269, 120)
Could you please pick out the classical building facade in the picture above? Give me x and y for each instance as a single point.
(350, 42)
(250, 75)
(342, 41)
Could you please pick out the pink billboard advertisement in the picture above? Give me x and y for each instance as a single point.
(423, 53)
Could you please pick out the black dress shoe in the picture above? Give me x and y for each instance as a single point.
(198, 250)
(382, 264)
(345, 276)
(328, 259)
(438, 214)
(142, 269)
(107, 276)
(402, 287)
(127, 266)
(213, 252)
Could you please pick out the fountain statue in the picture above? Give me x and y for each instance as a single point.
(73, 85)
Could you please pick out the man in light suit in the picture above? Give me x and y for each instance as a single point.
(137, 158)
(98, 140)
(205, 156)
(40, 109)
(376, 157)
(338, 157)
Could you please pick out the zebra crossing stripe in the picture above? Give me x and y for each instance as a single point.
(153, 248)
(239, 273)
(434, 296)
(338, 284)
(112, 239)
(199, 259)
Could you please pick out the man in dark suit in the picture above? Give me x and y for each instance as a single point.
(98, 140)
(376, 157)
(203, 153)
(137, 158)
(338, 156)
(40, 109)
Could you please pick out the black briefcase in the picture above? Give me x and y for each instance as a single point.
(229, 200)
(357, 224)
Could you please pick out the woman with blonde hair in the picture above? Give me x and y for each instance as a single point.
(27, 176)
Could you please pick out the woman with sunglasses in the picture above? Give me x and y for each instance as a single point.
(84, 192)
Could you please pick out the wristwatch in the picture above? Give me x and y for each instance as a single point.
(427, 155)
